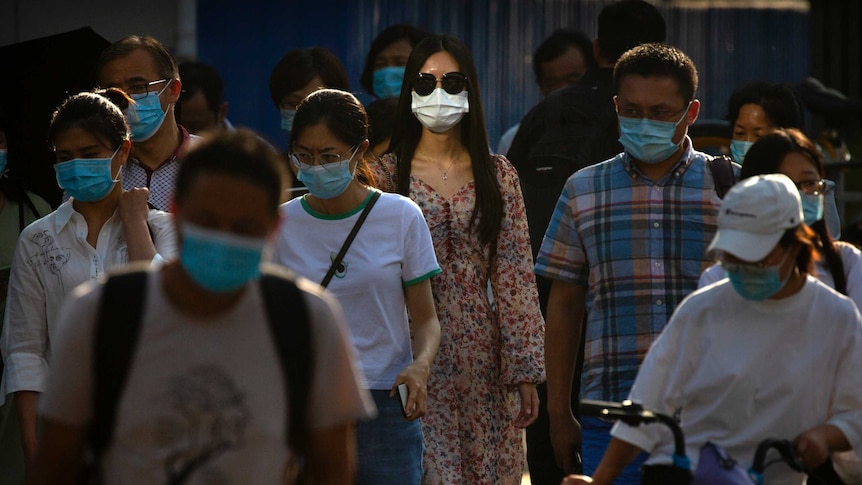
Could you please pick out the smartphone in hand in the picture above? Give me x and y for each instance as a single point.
(402, 394)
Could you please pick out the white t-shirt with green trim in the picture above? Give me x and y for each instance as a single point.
(393, 249)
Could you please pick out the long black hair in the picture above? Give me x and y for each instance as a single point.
(765, 157)
(488, 209)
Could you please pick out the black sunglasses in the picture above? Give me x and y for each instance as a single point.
(452, 82)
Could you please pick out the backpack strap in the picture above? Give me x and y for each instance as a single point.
(722, 174)
(291, 331)
(117, 327)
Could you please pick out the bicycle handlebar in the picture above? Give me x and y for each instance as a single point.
(634, 414)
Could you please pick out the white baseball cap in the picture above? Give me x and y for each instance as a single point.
(754, 214)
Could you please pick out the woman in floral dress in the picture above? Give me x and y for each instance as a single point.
(482, 387)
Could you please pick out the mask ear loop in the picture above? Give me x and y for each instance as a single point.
(120, 170)
(685, 113)
(353, 172)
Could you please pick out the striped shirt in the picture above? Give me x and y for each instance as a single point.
(639, 247)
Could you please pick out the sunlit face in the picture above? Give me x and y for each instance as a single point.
(799, 168)
(319, 146)
(136, 69)
(752, 123)
(656, 97)
(79, 143)
(292, 100)
(393, 55)
(562, 71)
(439, 64)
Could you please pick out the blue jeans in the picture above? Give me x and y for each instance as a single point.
(389, 447)
(595, 437)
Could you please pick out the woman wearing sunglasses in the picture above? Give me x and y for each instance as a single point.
(839, 265)
(769, 352)
(384, 275)
(100, 227)
(482, 388)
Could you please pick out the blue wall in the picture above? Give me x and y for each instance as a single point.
(245, 40)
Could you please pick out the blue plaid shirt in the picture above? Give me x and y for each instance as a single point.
(639, 247)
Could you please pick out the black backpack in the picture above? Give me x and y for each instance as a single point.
(581, 130)
(115, 339)
(722, 174)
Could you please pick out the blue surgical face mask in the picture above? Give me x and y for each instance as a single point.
(647, 140)
(757, 283)
(217, 261)
(738, 149)
(327, 181)
(387, 81)
(87, 179)
(146, 116)
(287, 116)
(812, 207)
(3, 153)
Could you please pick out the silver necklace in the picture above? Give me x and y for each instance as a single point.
(446, 172)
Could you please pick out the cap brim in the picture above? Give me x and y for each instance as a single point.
(744, 245)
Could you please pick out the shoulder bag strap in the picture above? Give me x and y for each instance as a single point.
(337, 261)
(291, 330)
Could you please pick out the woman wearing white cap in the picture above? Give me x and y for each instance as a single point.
(839, 265)
(748, 358)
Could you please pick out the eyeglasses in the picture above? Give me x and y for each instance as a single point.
(657, 115)
(811, 187)
(451, 82)
(137, 91)
(301, 159)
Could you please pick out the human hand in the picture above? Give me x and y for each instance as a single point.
(416, 377)
(133, 206)
(576, 480)
(529, 404)
(812, 446)
(566, 440)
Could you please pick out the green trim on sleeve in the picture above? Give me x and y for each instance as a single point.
(423, 277)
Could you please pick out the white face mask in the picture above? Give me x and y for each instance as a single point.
(440, 111)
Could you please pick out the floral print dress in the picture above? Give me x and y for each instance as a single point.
(485, 349)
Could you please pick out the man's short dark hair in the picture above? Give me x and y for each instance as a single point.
(200, 77)
(239, 154)
(662, 60)
(626, 24)
(557, 44)
(164, 61)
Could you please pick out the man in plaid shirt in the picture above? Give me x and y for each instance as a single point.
(626, 243)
